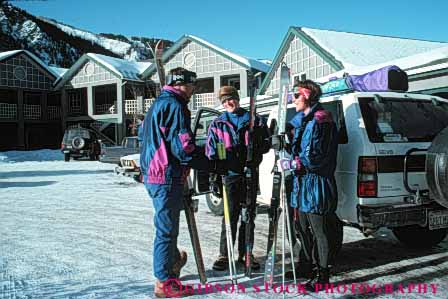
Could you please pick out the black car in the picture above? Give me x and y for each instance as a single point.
(80, 142)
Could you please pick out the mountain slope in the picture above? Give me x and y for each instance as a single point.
(60, 44)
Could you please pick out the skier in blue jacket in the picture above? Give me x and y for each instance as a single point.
(168, 151)
(231, 129)
(314, 150)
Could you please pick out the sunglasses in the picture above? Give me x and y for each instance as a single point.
(298, 91)
(297, 96)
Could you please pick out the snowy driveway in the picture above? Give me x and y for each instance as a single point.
(76, 230)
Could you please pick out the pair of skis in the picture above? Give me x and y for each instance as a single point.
(157, 53)
(278, 190)
(249, 206)
(189, 203)
(190, 206)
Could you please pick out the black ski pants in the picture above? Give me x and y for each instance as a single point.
(313, 233)
(294, 225)
(236, 195)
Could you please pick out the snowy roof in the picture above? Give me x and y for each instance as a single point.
(58, 70)
(354, 49)
(7, 54)
(126, 69)
(415, 64)
(249, 63)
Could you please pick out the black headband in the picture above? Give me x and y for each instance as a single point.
(186, 77)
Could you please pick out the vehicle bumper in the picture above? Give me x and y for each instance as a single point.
(397, 215)
(80, 153)
(127, 172)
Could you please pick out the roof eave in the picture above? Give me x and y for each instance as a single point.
(77, 65)
(276, 61)
(314, 45)
(295, 31)
(179, 43)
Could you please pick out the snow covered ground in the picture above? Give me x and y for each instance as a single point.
(76, 230)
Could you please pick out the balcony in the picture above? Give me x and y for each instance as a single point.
(32, 112)
(8, 111)
(105, 109)
(54, 112)
(204, 100)
(131, 106)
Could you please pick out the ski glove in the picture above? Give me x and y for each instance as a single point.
(287, 164)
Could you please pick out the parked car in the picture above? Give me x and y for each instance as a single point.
(80, 142)
(112, 154)
(130, 167)
(392, 168)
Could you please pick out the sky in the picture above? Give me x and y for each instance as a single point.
(247, 27)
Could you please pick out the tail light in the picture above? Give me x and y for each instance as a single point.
(367, 177)
(62, 146)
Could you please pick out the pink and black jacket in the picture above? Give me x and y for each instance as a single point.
(168, 146)
(235, 140)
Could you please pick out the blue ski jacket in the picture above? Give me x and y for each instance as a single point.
(168, 147)
(315, 146)
(236, 139)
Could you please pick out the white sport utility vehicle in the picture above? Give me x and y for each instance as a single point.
(386, 176)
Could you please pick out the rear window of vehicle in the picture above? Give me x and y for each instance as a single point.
(403, 120)
(72, 133)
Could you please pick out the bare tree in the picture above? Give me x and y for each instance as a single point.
(137, 92)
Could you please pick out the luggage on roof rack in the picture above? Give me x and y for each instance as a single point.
(389, 78)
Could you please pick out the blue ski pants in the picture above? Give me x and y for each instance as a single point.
(167, 201)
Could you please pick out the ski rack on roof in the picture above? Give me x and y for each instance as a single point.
(389, 78)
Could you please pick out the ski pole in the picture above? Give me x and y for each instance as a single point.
(229, 239)
(283, 238)
(288, 226)
(230, 252)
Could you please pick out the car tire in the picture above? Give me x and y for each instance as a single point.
(437, 168)
(415, 236)
(138, 178)
(78, 142)
(215, 204)
(67, 157)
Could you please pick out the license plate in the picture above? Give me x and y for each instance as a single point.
(437, 219)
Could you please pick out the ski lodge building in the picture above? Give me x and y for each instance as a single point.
(103, 93)
(30, 108)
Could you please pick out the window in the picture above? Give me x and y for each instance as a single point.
(299, 77)
(105, 96)
(233, 80)
(337, 112)
(388, 119)
(77, 101)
